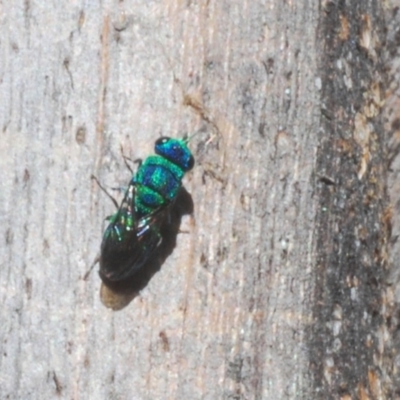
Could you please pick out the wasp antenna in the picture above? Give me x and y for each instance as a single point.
(187, 138)
(104, 190)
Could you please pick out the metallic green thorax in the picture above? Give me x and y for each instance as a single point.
(159, 178)
(157, 183)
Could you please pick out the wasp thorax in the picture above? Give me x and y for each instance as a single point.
(176, 151)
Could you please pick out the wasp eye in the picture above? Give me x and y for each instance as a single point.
(162, 140)
(190, 164)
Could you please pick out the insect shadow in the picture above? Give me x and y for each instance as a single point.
(118, 294)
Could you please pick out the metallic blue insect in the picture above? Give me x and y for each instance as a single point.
(134, 230)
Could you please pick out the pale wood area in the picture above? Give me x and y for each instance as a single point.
(236, 309)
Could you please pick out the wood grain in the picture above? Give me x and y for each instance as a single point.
(246, 305)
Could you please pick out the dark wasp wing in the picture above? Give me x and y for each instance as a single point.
(128, 241)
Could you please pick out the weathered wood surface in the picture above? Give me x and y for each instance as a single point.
(276, 288)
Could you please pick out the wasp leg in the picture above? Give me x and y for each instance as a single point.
(121, 189)
(111, 217)
(139, 162)
(105, 191)
(126, 159)
(86, 276)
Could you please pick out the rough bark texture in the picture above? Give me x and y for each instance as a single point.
(353, 224)
(276, 288)
(392, 128)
